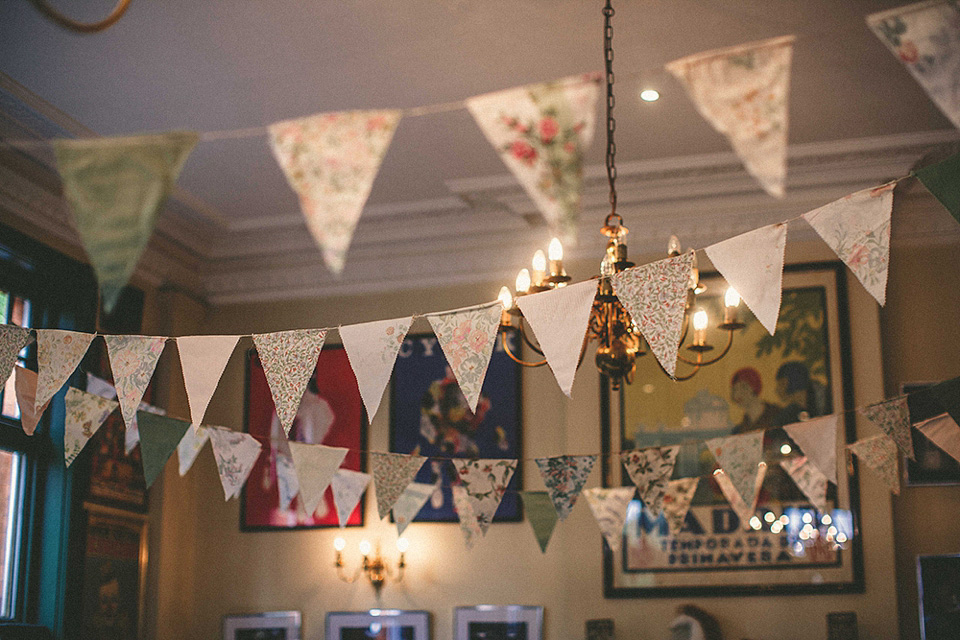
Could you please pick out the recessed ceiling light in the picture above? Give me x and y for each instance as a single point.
(649, 95)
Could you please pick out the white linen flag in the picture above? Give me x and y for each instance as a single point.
(203, 359)
(609, 507)
(372, 349)
(235, 453)
(817, 440)
(348, 486)
(316, 465)
(944, 432)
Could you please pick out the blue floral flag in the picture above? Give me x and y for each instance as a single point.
(565, 477)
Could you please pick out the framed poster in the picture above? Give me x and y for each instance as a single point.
(488, 622)
(429, 414)
(933, 466)
(379, 624)
(274, 625)
(938, 579)
(331, 413)
(764, 382)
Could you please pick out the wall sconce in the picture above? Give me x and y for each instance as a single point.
(375, 568)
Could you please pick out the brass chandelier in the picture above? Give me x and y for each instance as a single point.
(619, 342)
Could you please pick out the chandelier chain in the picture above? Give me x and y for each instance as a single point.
(611, 103)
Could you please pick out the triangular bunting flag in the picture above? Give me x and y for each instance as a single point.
(203, 359)
(131, 436)
(190, 446)
(315, 464)
(408, 505)
(753, 265)
(116, 187)
(942, 431)
(880, 453)
(348, 486)
(58, 354)
(331, 161)
(808, 479)
(609, 507)
(745, 511)
(559, 320)
(372, 349)
(893, 418)
(742, 92)
(676, 501)
(541, 132)
(467, 337)
(925, 37)
(485, 481)
(289, 359)
(287, 485)
(26, 386)
(817, 440)
(650, 470)
(541, 514)
(943, 181)
(235, 453)
(159, 436)
(857, 228)
(469, 526)
(655, 296)
(392, 472)
(132, 361)
(740, 457)
(12, 341)
(85, 413)
(947, 394)
(564, 477)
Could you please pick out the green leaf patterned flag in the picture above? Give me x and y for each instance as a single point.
(943, 181)
(115, 188)
(541, 514)
(159, 437)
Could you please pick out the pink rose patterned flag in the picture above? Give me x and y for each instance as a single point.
(609, 507)
(85, 413)
(880, 453)
(564, 477)
(740, 457)
(893, 418)
(655, 296)
(808, 479)
(235, 453)
(203, 359)
(650, 470)
(316, 465)
(289, 358)
(742, 92)
(190, 446)
(817, 440)
(485, 481)
(26, 386)
(392, 472)
(372, 349)
(408, 505)
(132, 361)
(12, 341)
(347, 486)
(676, 501)
(467, 337)
(740, 506)
(541, 132)
(541, 514)
(753, 265)
(58, 354)
(331, 161)
(944, 432)
(469, 525)
(559, 320)
(857, 228)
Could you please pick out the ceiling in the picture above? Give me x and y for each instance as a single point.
(443, 209)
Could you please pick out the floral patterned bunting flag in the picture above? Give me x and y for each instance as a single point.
(203, 359)
(190, 446)
(943, 181)
(289, 358)
(469, 525)
(331, 161)
(565, 477)
(408, 505)
(159, 437)
(115, 187)
(676, 501)
(347, 486)
(12, 341)
(58, 354)
(817, 440)
(742, 92)
(85, 413)
(541, 514)
(740, 457)
(235, 453)
(655, 296)
(943, 431)
(857, 228)
(609, 508)
(26, 387)
(740, 506)
(316, 465)
(926, 38)
(485, 481)
(467, 337)
(808, 479)
(132, 361)
(541, 132)
(559, 319)
(650, 470)
(372, 349)
(893, 418)
(880, 453)
(392, 472)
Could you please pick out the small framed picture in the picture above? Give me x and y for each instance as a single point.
(273, 625)
(488, 622)
(381, 624)
(932, 467)
(938, 579)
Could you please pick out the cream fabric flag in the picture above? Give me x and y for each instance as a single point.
(564, 477)
(467, 337)
(559, 320)
(740, 506)
(808, 479)
(880, 453)
(133, 360)
(316, 465)
(372, 349)
(191, 444)
(203, 359)
(58, 354)
(753, 265)
(26, 387)
(408, 505)
(392, 472)
(541, 132)
(925, 37)
(85, 413)
(817, 440)
(893, 418)
(857, 228)
(331, 161)
(469, 525)
(650, 470)
(676, 501)
(944, 432)
(740, 457)
(12, 341)
(235, 453)
(485, 481)
(348, 486)
(289, 359)
(743, 92)
(655, 296)
(609, 507)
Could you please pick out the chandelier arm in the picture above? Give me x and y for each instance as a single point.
(696, 367)
(523, 334)
(343, 576)
(82, 27)
(700, 362)
(506, 347)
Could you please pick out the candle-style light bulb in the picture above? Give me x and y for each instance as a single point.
(505, 298)
(402, 545)
(700, 320)
(339, 544)
(365, 547)
(555, 250)
(523, 282)
(731, 298)
(539, 261)
(673, 246)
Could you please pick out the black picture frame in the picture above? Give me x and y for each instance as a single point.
(938, 582)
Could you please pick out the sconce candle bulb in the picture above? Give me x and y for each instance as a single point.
(522, 285)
